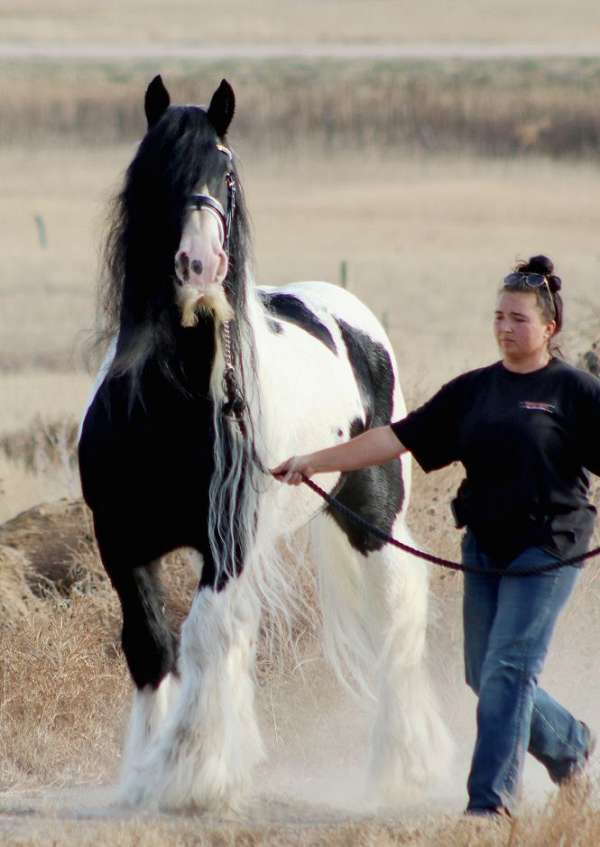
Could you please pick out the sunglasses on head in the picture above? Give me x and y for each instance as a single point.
(530, 280)
(518, 279)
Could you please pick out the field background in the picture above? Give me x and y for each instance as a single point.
(429, 178)
(292, 21)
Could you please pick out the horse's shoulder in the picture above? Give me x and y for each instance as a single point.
(327, 302)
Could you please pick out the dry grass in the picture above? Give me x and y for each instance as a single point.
(62, 684)
(268, 21)
(540, 107)
(38, 461)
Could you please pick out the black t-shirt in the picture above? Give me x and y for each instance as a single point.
(525, 441)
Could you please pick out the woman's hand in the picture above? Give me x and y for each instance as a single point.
(292, 469)
(373, 447)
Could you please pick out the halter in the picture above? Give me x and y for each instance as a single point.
(235, 405)
(196, 202)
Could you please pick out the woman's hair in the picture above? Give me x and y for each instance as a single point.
(548, 298)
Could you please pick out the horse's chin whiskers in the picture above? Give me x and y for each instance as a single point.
(191, 304)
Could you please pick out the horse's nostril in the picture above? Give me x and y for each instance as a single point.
(197, 267)
(182, 265)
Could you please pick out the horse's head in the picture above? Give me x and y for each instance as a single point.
(179, 243)
(201, 260)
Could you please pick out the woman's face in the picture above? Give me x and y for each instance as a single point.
(519, 326)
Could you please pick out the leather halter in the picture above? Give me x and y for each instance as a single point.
(196, 202)
(235, 404)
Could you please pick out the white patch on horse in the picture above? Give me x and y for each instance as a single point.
(148, 712)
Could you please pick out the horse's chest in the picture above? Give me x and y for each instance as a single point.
(159, 451)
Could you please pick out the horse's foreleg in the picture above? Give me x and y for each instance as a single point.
(149, 711)
(150, 650)
(204, 757)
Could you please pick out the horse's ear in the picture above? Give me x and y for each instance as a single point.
(221, 109)
(157, 101)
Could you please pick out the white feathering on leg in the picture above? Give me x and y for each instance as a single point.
(149, 711)
(409, 746)
(204, 757)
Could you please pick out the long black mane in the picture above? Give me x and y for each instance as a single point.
(137, 291)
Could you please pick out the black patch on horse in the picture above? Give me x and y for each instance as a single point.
(375, 493)
(292, 309)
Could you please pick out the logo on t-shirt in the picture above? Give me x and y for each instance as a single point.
(535, 406)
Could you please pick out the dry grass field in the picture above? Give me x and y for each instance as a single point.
(541, 107)
(429, 180)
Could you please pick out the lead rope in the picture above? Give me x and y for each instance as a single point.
(438, 560)
(234, 406)
(234, 410)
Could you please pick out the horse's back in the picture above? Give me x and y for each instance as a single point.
(354, 332)
(324, 299)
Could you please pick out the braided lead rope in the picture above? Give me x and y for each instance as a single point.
(437, 560)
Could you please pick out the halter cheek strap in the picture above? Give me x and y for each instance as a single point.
(235, 404)
(197, 202)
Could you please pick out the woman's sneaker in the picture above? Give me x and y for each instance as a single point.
(580, 770)
(591, 746)
(494, 812)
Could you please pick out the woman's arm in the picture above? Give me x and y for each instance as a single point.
(373, 447)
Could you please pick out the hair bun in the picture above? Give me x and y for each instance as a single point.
(545, 266)
(539, 265)
(554, 283)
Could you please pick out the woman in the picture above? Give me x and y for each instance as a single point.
(525, 429)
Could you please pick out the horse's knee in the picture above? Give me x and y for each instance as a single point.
(149, 645)
(221, 625)
(150, 652)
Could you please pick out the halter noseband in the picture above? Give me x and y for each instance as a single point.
(196, 202)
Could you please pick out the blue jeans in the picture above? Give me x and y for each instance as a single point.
(508, 624)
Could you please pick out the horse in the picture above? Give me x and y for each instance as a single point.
(207, 382)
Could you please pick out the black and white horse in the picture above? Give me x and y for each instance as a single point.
(207, 381)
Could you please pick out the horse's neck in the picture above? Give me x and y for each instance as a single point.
(181, 367)
(195, 353)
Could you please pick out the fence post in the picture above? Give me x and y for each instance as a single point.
(41, 229)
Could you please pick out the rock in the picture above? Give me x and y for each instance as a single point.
(50, 538)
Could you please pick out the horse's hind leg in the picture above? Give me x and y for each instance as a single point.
(150, 649)
(375, 610)
(410, 746)
(211, 742)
